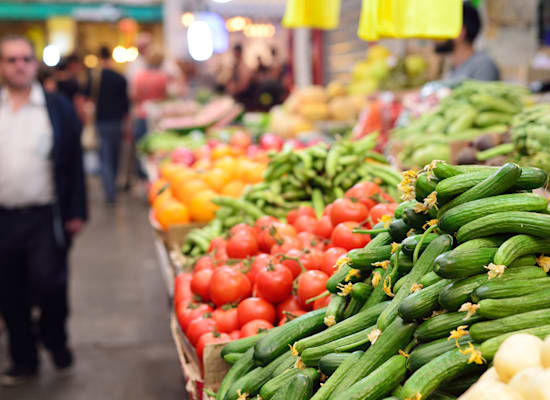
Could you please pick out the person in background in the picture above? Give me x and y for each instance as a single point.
(109, 92)
(240, 84)
(68, 72)
(42, 207)
(47, 79)
(466, 62)
(143, 43)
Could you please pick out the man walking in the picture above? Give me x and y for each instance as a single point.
(42, 206)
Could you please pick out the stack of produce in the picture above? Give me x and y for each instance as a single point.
(314, 176)
(162, 143)
(440, 286)
(471, 110)
(258, 274)
(521, 371)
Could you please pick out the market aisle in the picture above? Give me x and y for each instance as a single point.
(119, 326)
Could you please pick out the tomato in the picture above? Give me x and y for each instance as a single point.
(345, 210)
(293, 314)
(364, 193)
(198, 327)
(235, 335)
(310, 241)
(312, 259)
(275, 283)
(323, 227)
(328, 209)
(265, 222)
(270, 236)
(286, 244)
(218, 247)
(210, 337)
(330, 257)
(187, 314)
(301, 211)
(342, 236)
(200, 284)
(243, 228)
(291, 304)
(259, 262)
(254, 327)
(292, 265)
(240, 139)
(255, 308)
(205, 262)
(320, 303)
(305, 223)
(377, 211)
(310, 284)
(228, 285)
(242, 245)
(182, 289)
(226, 319)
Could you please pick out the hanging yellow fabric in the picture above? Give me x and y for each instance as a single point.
(323, 14)
(434, 19)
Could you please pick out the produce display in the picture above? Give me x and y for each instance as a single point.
(421, 309)
(162, 143)
(314, 176)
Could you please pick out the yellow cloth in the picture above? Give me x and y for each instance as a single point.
(322, 14)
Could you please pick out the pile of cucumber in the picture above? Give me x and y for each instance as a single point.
(423, 307)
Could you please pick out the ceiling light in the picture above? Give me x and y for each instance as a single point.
(51, 55)
(200, 41)
(187, 19)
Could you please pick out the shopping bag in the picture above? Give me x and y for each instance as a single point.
(312, 13)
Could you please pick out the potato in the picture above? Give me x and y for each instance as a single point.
(545, 353)
(517, 353)
(532, 384)
(490, 390)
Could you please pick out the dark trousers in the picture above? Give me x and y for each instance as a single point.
(139, 133)
(33, 271)
(110, 140)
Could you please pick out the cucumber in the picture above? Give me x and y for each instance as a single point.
(239, 369)
(426, 352)
(242, 345)
(398, 230)
(276, 342)
(335, 309)
(518, 246)
(500, 308)
(456, 264)
(501, 289)
(429, 377)
(423, 187)
(361, 291)
(522, 261)
(287, 363)
(461, 384)
(348, 326)
(405, 262)
(279, 382)
(444, 170)
(415, 220)
(438, 395)
(489, 347)
(409, 244)
(232, 358)
(339, 277)
(300, 387)
(325, 391)
(399, 283)
(453, 219)
(398, 213)
(429, 279)
(481, 331)
(528, 223)
(422, 303)
(329, 363)
(488, 118)
(498, 182)
(353, 307)
(362, 259)
(423, 265)
(378, 383)
(490, 241)
(440, 326)
(311, 356)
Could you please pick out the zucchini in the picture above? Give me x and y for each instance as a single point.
(242, 345)
(276, 342)
(415, 220)
(456, 264)
(348, 326)
(506, 222)
(520, 245)
(281, 381)
(423, 187)
(238, 370)
(353, 307)
(362, 259)
(398, 213)
(426, 352)
(300, 387)
(325, 391)
(460, 215)
(440, 326)
(429, 279)
(498, 182)
(378, 383)
(481, 331)
(335, 309)
(398, 230)
(489, 347)
(501, 289)
(330, 362)
(339, 277)
(232, 358)
(500, 308)
(409, 244)
(361, 291)
(423, 265)
(422, 303)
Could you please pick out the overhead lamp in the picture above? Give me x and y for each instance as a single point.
(119, 54)
(51, 55)
(91, 61)
(221, 1)
(236, 24)
(200, 41)
(259, 30)
(187, 19)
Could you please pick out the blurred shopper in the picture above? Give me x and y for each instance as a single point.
(240, 84)
(68, 73)
(109, 92)
(143, 43)
(467, 63)
(42, 207)
(47, 79)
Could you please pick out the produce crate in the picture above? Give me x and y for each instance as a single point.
(215, 367)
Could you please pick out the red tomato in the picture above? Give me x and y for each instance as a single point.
(287, 243)
(342, 236)
(293, 215)
(269, 237)
(228, 285)
(210, 337)
(312, 259)
(310, 241)
(293, 315)
(187, 314)
(205, 262)
(275, 283)
(235, 335)
(198, 327)
(292, 265)
(243, 228)
(265, 222)
(200, 284)
(291, 304)
(240, 139)
(218, 247)
(328, 209)
(330, 258)
(305, 223)
(311, 284)
(377, 211)
(259, 262)
(226, 320)
(320, 303)
(323, 227)
(254, 327)
(345, 210)
(255, 308)
(182, 289)
(242, 245)
(364, 193)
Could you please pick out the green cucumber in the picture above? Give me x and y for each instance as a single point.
(361, 291)
(400, 209)
(409, 244)
(241, 345)
(501, 289)
(426, 352)
(353, 307)
(489, 347)
(362, 259)
(288, 363)
(232, 358)
(459, 385)
(525, 260)
(429, 279)
(300, 387)
(330, 362)
(441, 326)
(456, 264)
(238, 370)
(398, 230)
(341, 276)
(424, 186)
(438, 395)
(490, 241)
(500, 308)
(520, 245)
(335, 309)
(422, 303)
(399, 283)
(405, 262)
(276, 342)
(281, 381)
(415, 220)
(481, 331)
(330, 385)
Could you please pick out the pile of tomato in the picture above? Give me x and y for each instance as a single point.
(260, 276)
